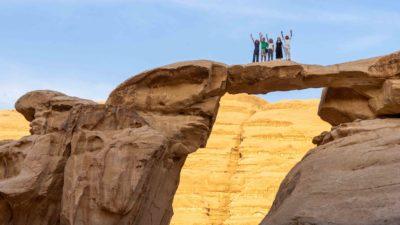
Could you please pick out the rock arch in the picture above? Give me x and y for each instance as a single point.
(119, 162)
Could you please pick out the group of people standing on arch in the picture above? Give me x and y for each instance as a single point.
(267, 47)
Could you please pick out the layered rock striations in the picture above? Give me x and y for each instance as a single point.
(119, 162)
(12, 125)
(252, 147)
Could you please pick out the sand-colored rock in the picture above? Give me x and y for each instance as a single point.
(352, 178)
(32, 168)
(340, 105)
(75, 144)
(365, 78)
(119, 162)
(203, 196)
(180, 99)
(118, 165)
(12, 125)
(252, 147)
(47, 111)
(112, 164)
(363, 81)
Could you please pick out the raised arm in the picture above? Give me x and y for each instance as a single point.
(251, 35)
(261, 36)
(266, 36)
(291, 33)
(282, 35)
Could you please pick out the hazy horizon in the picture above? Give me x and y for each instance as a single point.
(86, 49)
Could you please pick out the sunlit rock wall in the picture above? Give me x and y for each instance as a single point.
(12, 125)
(252, 147)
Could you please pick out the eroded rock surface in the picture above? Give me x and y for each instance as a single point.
(352, 178)
(119, 162)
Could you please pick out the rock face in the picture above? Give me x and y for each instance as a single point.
(255, 142)
(252, 147)
(119, 163)
(352, 178)
(31, 169)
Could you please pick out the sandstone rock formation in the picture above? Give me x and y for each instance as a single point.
(119, 162)
(370, 85)
(252, 147)
(32, 168)
(352, 178)
(255, 142)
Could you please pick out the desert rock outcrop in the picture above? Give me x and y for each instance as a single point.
(119, 162)
(31, 169)
(352, 178)
(255, 142)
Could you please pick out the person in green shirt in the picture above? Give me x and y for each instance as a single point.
(264, 48)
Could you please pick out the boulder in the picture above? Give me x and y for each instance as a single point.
(351, 178)
(343, 105)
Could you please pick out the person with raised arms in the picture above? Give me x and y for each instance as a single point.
(271, 48)
(278, 49)
(264, 48)
(256, 52)
(287, 39)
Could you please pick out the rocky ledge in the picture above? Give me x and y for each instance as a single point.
(119, 162)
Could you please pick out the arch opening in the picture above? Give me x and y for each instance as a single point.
(253, 145)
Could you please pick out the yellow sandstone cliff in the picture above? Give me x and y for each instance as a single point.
(234, 180)
(12, 125)
(252, 147)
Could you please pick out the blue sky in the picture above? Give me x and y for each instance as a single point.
(86, 48)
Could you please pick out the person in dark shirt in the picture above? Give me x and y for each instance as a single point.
(278, 49)
(256, 52)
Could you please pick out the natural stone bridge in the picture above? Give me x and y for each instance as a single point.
(119, 162)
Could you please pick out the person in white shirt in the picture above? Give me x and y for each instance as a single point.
(287, 39)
